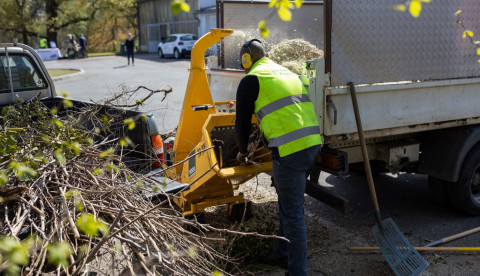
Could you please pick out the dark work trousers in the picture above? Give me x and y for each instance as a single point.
(130, 53)
(290, 177)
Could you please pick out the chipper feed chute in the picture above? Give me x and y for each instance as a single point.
(205, 144)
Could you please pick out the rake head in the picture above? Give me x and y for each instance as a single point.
(399, 253)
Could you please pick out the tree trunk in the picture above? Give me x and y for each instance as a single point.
(51, 10)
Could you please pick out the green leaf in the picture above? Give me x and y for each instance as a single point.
(112, 167)
(97, 171)
(130, 122)
(285, 14)
(192, 252)
(298, 3)
(63, 94)
(59, 156)
(67, 103)
(75, 146)
(14, 252)
(56, 122)
(27, 171)
(139, 102)
(178, 6)
(467, 33)
(126, 141)
(262, 26)
(90, 226)
(217, 273)
(106, 153)
(59, 253)
(400, 8)
(415, 8)
(3, 178)
(54, 110)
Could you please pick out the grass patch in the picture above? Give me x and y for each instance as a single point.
(101, 54)
(61, 72)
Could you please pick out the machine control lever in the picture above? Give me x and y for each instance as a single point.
(201, 107)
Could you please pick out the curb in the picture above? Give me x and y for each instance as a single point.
(69, 75)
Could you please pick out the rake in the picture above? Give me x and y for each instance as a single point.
(399, 253)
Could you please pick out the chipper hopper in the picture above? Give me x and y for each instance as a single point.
(203, 167)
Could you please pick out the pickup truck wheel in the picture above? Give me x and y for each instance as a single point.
(160, 53)
(438, 189)
(465, 193)
(176, 54)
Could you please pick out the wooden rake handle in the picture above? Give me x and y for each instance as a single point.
(366, 160)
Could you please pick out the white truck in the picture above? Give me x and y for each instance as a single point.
(418, 89)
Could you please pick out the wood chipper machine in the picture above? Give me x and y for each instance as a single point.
(202, 158)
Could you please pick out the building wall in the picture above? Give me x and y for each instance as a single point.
(156, 21)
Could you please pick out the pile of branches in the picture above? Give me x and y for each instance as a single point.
(67, 198)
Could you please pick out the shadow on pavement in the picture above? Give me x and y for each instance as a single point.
(156, 58)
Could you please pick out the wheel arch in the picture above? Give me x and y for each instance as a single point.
(444, 151)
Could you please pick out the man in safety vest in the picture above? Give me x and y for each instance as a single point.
(43, 43)
(288, 122)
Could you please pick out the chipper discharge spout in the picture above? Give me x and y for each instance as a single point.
(205, 144)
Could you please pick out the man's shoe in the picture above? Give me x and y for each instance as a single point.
(269, 259)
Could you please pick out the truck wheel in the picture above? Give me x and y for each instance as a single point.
(177, 54)
(438, 189)
(465, 193)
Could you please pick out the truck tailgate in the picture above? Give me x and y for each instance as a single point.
(400, 108)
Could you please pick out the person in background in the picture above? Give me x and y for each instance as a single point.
(43, 43)
(72, 46)
(130, 48)
(291, 131)
(83, 45)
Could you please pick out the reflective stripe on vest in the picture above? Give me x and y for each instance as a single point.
(292, 136)
(272, 107)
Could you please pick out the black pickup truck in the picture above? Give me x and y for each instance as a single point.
(23, 77)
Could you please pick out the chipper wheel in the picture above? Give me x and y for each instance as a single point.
(240, 211)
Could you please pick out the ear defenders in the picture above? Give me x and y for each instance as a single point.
(247, 61)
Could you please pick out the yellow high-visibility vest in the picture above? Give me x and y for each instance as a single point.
(286, 114)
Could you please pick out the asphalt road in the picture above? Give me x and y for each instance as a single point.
(403, 197)
(104, 76)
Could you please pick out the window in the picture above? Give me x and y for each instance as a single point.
(188, 37)
(24, 74)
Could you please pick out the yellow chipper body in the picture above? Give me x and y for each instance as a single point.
(205, 146)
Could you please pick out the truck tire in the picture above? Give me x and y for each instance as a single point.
(438, 189)
(465, 193)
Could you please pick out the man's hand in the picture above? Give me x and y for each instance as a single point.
(242, 158)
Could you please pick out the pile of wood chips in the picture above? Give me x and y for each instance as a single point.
(293, 54)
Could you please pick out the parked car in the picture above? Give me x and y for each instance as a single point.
(176, 45)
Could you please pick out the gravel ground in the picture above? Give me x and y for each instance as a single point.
(329, 240)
